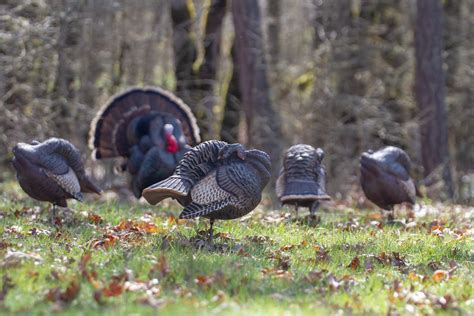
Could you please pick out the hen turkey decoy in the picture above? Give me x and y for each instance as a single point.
(215, 180)
(385, 178)
(52, 171)
(302, 180)
(150, 128)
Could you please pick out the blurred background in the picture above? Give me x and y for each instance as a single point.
(345, 75)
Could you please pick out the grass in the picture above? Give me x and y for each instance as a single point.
(264, 264)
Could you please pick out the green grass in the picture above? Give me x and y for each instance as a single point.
(263, 264)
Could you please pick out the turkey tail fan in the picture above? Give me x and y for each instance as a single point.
(174, 187)
(89, 187)
(108, 132)
(302, 190)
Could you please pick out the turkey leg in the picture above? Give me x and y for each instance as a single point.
(314, 207)
(211, 235)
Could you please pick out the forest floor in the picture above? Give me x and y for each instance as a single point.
(122, 259)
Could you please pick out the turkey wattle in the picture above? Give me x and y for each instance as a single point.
(215, 180)
(150, 128)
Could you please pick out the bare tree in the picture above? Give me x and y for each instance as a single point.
(263, 122)
(232, 108)
(273, 30)
(185, 50)
(430, 92)
(206, 84)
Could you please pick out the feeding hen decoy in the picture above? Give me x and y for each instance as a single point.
(52, 171)
(215, 180)
(385, 178)
(302, 180)
(150, 128)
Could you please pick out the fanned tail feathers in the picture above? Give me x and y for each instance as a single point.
(301, 190)
(173, 187)
(108, 132)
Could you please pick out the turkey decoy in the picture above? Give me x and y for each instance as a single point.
(150, 128)
(385, 178)
(215, 180)
(52, 171)
(302, 180)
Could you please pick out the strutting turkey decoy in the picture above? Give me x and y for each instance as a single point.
(385, 178)
(52, 171)
(302, 180)
(215, 180)
(149, 127)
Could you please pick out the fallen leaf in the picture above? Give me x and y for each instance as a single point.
(108, 241)
(439, 275)
(204, 280)
(113, 289)
(413, 276)
(66, 296)
(287, 247)
(94, 218)
(375, 216)
(355, 263)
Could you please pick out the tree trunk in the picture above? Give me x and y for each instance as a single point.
(68, 38)
(232, 108)
(206, 84)
(263, 122)
(430, 93)
(185, 51)
(273, 30)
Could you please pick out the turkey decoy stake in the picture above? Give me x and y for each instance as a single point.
(385, 178)
(149, 128)
(52, 171)
(302, 180)
(215, 180)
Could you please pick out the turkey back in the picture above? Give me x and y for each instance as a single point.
(110, 133)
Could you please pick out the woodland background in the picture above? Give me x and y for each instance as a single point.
(346, 76)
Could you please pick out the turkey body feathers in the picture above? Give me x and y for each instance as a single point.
(51, 171)
(385, 179)
(302, 178)
(215, 180)
(194, 166)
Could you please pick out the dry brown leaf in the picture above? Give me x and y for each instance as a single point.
(115, 287)
(355, 263)
(439, 275)
(94, 218)
(66, 296)
(375, 216)
(287, 247)
(204, 280)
